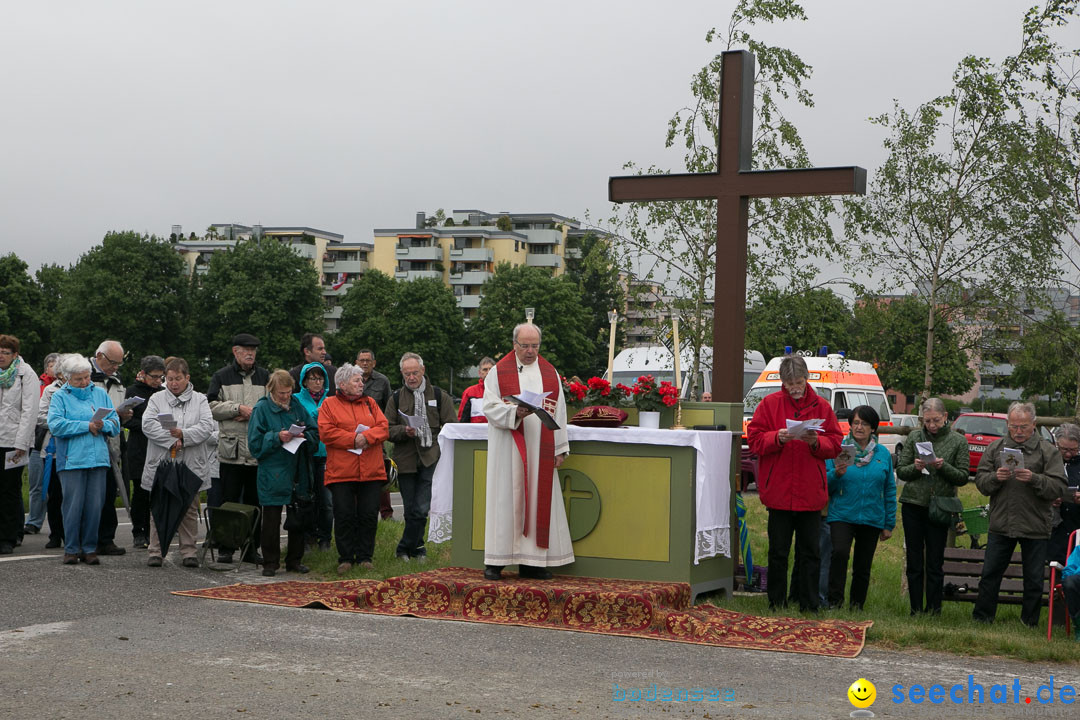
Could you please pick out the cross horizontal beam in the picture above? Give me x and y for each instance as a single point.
(755, 183)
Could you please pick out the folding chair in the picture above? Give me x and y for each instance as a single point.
(230, 525)
(1057, 590)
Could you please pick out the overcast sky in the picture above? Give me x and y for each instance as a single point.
(348, 115)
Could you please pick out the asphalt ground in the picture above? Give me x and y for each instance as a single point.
(112, 642)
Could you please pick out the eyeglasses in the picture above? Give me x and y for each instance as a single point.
(116, 363)
(155, 378)
(1071, 450)
(414, 373)
(1021, 427)
(528, 346)
(6, 353)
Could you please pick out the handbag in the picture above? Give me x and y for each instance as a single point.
(300, 515)
(945, 510)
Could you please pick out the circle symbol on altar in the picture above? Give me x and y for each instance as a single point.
(581, 500)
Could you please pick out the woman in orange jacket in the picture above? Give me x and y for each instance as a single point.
(353, 428)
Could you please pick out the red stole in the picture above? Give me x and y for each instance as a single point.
(510, 384)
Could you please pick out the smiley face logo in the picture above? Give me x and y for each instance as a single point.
(862, 693)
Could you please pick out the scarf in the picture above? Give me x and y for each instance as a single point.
(349, 398)
(7, 377)
(863, 455)
(423, 433)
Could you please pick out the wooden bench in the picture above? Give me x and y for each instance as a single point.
(963, 568)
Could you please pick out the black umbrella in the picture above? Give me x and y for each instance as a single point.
(174, 488)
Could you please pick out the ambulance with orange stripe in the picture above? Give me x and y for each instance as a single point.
(845, 383)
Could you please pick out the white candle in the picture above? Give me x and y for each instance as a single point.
(613, 317)
(675, 343)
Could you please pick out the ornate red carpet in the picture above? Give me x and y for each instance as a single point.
(612, 607)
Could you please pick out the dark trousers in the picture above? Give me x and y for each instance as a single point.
(356, 518)
(824, 553)
(239, 483)
(999, 550)
(925, 557)
(140, 510)
(214, 494)
(107, 526)
(54, 508)
(806, 526)
(271, 541)
(11, 507)
(386, 509)
(324, 504)
(416, 500)
(865, 538)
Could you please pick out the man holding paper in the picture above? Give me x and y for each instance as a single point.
(793, 432)
(1020, 501)
(525, 522)
(416, 413)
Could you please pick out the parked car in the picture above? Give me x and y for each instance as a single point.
(981, 429)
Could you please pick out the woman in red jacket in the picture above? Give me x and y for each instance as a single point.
(353, 428)
(791, 477)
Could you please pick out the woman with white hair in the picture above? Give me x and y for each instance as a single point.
(80, 416)
(353, 428)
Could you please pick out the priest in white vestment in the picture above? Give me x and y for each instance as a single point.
(525, 521)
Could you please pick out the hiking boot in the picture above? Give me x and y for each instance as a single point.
(154, 561)
(91, 559)
(71, 559)
(344, 568)
(190, 562)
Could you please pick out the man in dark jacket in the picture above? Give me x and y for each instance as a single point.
(313, 349)
(416, 447)
(376, 387)
(791, 477)
(1020, 494)
(147, 382)
(234, 390)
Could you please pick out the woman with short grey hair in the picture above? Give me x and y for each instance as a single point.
(345, 373)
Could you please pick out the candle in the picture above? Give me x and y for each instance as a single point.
(675, 343)
(613, 316)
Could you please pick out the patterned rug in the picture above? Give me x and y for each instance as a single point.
(633, 608)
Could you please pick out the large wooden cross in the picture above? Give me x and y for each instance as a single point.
(732, 187)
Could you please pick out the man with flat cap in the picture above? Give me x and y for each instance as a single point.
(233, 392)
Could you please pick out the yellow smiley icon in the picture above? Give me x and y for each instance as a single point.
(862, 693)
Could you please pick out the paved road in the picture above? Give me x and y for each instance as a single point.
(111, 642)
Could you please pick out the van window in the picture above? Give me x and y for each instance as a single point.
(879, 402)
(841, 401)
(856, 398)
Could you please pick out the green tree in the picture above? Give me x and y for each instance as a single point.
(675, 242)
(129, 288)
(892, 334)
(50, 279)
(597, 276)
(261, 287)
(805, 321)
(21, 309)
(559, 313)
(1047, 361)
(365, 320)
(967, 206)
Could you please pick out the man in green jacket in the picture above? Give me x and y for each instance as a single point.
(1021, 494)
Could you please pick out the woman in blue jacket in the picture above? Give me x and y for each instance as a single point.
(82, 456)
(862, 506)
(312, 392)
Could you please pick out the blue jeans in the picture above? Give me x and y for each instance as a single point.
(416, 502)
(84, 496)
(37, 503)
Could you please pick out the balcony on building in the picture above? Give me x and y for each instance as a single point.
(472, 255)
(468, 301)
(347, 266)
(417, 274)
(543, 260)
(470, 277)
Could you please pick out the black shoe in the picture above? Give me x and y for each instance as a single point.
(225, 557)
(6, 548)
(493, 572)
(534, 573)
(53, 543)
(190, 562)
(29, 529)
(302, 569)
(111, 549)
(154, 561)
(253, 558)
(140, 542)
(269, 572)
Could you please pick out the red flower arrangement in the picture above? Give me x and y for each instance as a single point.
(595, 391)
(650, 397)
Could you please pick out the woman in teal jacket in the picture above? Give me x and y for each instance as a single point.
(82, 456)
(283, 476)
(312, 392)
(862, 506)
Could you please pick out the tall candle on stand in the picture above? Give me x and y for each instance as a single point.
(675, 342)
(612, 317)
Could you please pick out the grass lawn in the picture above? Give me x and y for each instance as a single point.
(887, 605)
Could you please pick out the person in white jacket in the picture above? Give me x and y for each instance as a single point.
(19, 392)
(194, 440)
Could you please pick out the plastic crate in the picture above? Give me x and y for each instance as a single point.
(976, 520)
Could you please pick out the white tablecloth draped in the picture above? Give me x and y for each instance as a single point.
(712, 477)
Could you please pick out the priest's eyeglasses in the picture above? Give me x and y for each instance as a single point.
(528, 346)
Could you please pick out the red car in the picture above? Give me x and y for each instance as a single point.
(981, 429)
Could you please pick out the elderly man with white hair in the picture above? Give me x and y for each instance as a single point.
(1023, 475)
(106, 363)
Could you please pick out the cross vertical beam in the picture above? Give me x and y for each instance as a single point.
(732, 186)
